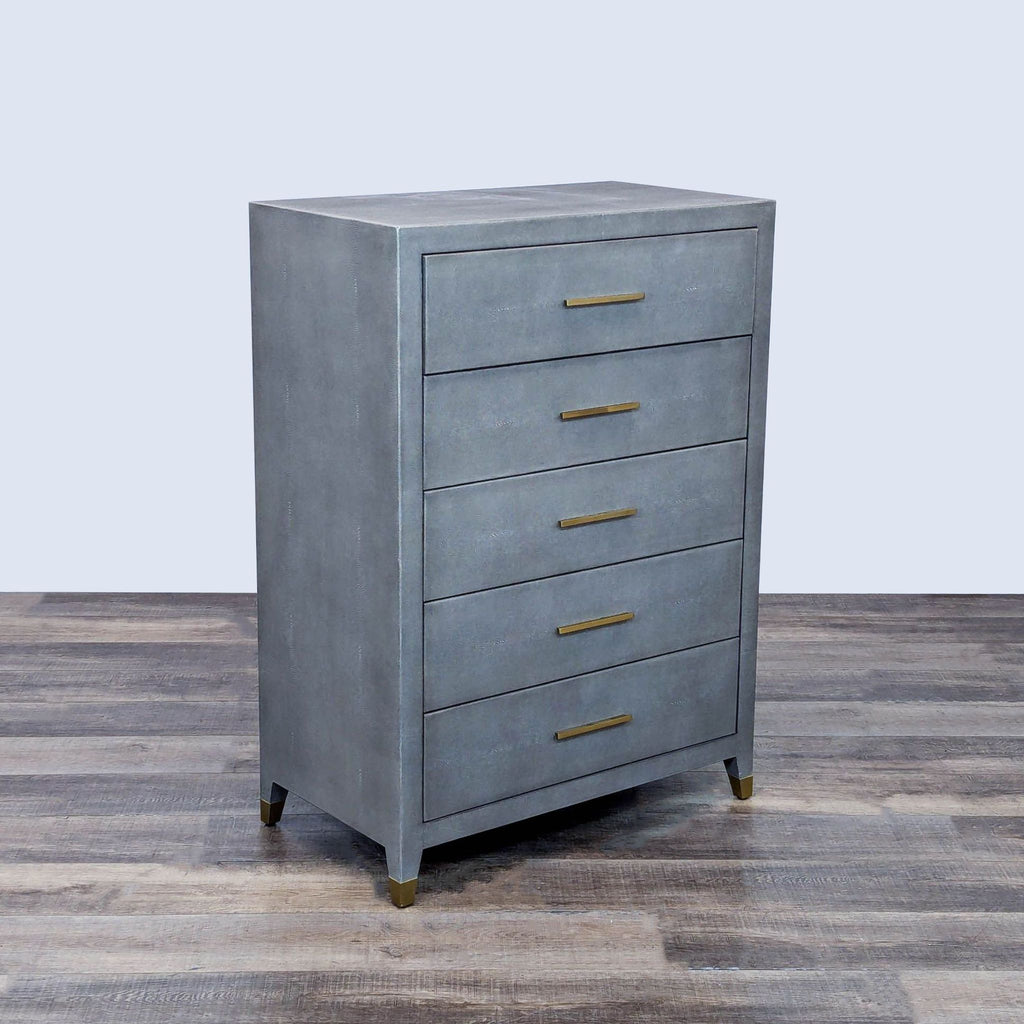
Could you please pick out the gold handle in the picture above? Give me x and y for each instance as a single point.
(582, 730)
(597, 517)
(600, 410)
(606, 620)
(605, 300)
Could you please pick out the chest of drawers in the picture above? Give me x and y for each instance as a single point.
(508, 486)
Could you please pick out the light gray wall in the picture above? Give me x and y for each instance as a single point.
(135, 134)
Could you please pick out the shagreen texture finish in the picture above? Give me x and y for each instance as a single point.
(490, 423)
(509, 453)
(505, 531)
(509, 305)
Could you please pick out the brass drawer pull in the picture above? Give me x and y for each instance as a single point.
(606, 620)
(597, 517)
(600, 410)
(582, 730)
(605, 300)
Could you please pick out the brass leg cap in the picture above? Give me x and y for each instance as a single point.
(742, 789)
(403, 894)
(270, 813)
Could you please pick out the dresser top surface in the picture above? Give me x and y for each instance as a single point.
(484, 206)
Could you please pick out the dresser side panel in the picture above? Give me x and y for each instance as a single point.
(754, 486)
(327, 397)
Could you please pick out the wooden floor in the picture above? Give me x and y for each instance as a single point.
(877, 875)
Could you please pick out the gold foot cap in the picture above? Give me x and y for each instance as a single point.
(270, 813)
(742, 789)
(402, 893)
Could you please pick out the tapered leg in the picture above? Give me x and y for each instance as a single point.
(741, 777)
(403, 872)
(272, 806)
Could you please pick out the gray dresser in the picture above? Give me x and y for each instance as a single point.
(508, 485)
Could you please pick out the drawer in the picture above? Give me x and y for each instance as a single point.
(525, 527)
(506, 745)
(492, 423)
(500, 306)
(500, 640)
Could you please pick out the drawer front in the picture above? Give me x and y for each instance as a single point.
(492, 423)
(507, 745)
(510, 305)
(526, 527)
(501, 640)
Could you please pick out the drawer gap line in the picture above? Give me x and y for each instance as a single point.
(578, 465)
(590, 568)
(586, 355)
(576, 675)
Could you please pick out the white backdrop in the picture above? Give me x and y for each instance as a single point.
(135, 134)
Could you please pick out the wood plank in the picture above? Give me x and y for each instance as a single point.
(185, 838)
(107, 839)
(105, 755)
(510, 943)
(811, 609)
(123, 793)
(96, 629)
(15, 604)
(755, 939)
(463, 996)
(890, 668)
(990, 831)
(965, 997)
(130, 718)
(63, 673)
(864, 718)
(133, 605)
(137, 888)
(97, 618)
(923, 755)
(928, 885)
(127, 793)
